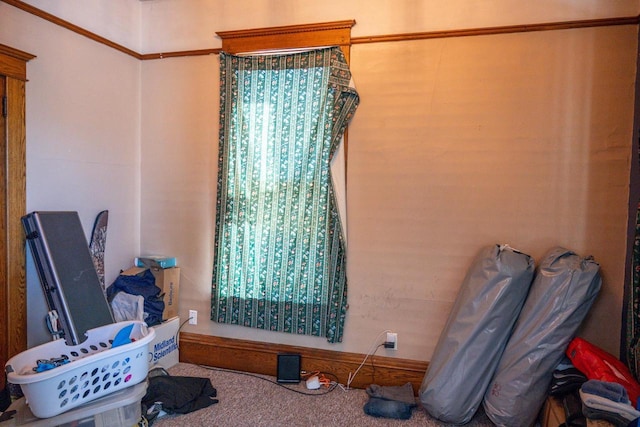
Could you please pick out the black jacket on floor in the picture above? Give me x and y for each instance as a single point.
(180, 395)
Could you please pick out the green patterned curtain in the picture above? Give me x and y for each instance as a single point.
(631, 340)
(279, 248)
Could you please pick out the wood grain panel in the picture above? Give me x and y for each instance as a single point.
(261, 358)
(13, 67)
(13, 62)
(15, 209)
(4, 289)
(337, 33)
(13, 306)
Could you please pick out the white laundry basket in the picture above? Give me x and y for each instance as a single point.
(95, 368)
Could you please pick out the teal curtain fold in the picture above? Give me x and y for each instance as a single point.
(631, 338)
(279, 246)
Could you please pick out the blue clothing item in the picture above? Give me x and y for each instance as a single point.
(402, 393)
(612, 391)
(123, 336)
(612, 417)
(143, 284)
(378, 407)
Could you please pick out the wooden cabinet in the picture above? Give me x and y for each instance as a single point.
(13, 308)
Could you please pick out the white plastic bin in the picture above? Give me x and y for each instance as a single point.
(95, 369)
(120, 409)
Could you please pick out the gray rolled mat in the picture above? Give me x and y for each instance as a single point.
(562, 293)
(476, 333)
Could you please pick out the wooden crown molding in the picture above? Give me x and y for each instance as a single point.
(507, 29)
(13, 62)
(15, 53)
(337, 33)
(199, 52)
(288, 29)
(276, 31)
(69, 26)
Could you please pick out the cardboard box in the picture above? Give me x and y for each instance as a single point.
(168, 280)
(163, 350)
(553, 415)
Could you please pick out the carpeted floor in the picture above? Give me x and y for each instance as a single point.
(248, 400)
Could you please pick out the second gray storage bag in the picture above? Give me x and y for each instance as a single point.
(560, 297)
(476, 333)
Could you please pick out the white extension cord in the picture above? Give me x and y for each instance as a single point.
(371, 351)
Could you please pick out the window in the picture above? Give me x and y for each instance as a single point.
(280, 249)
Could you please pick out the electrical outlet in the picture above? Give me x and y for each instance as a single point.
(391, 341)
(193, 317)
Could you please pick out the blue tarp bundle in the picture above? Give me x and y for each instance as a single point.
(560, 297)
(476, 333)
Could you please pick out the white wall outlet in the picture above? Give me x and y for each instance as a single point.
(193, 317)
(392, 338)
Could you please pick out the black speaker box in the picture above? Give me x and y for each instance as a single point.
(288, 368)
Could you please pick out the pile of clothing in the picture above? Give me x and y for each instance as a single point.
(136, 297)
(583, 398)
(168, 394)
(602, 400)
(395, 402)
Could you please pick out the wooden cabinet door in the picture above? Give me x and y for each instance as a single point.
(13, 307)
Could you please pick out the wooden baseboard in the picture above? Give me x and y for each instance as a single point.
(261, 358)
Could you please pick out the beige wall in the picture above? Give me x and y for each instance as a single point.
(458, 143)
(521, 139)
(167, 25)
(83, 129)
(116, 20)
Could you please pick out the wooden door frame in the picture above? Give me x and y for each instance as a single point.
(13, 295)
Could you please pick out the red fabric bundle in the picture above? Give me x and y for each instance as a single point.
(599, 365)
